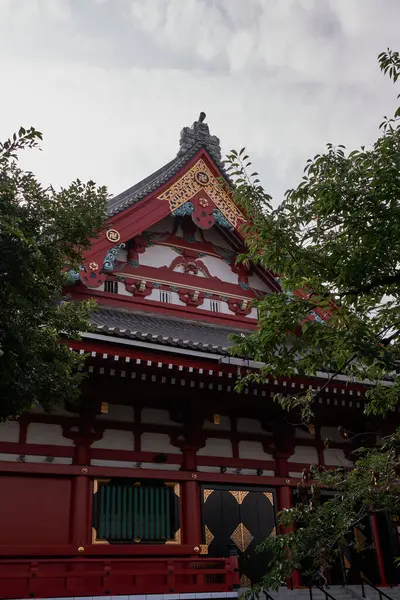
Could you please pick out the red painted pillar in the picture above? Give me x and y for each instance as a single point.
(80, 513)
(378, 547)
(285, 501)
(191, 512)
(81, 495)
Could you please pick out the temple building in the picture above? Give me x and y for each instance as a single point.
(165, 479)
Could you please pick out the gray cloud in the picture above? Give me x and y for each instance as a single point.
(111, 82)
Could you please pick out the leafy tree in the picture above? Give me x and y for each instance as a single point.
(334, 244)
(41, 231)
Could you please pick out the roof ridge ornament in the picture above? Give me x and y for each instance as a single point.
(199, 132)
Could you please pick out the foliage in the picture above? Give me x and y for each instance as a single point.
(41, 231)
(334, 247)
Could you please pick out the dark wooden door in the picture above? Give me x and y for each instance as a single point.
(239, 518)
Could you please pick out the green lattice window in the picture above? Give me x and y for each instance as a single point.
(126, 511)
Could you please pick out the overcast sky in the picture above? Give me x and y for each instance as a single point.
(111, 83)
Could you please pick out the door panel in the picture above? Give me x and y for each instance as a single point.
(241, 518)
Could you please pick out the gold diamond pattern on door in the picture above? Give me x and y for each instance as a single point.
(242, 537)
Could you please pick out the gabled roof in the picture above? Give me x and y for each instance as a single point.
(168, 331)
(192, 140)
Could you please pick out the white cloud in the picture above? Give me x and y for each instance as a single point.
(111, 84)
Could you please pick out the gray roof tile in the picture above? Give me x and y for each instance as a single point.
(163, 330)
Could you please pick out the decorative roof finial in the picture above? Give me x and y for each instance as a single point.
(199, 135)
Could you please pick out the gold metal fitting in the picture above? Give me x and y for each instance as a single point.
(85, 470)
(81, 549)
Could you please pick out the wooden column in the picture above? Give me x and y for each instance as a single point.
(378, 548)
(285, 501)
(80, 513)
(191, 512)
(81, 500)
(284, 443)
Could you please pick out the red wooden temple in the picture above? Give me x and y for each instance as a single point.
(164, 480)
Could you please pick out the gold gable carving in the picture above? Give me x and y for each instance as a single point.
(191, 183)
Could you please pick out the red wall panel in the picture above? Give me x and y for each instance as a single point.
(34, 510)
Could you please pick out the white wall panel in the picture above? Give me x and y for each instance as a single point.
(118, 412)
(304, 454)
(336, 457)
(253, 450)
(301, 434)
(114, 439)
(157, 256)
(156, 416)
(224, 424)
(9, 431)
(245, 425)
(158, 442)
(256, 282)
(216, 447)
(46, 433)
(219, 268)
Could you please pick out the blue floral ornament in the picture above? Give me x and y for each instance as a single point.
(111, 257)
(221, 220)
(72, 276)
(186, 209)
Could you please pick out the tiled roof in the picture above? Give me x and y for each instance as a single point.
(163, 330)
(192, 140)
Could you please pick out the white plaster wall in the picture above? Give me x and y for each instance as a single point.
(156, 416)
(122, 291)
(219, 268)
(223, 307)
(114, 439)
(157, 256)
(301, 434)
(212, 236)
(160, 466)
(253, 450)
(304, 454)
(158, 442)
(331, 433)
(118, 412)
(36, 458)
(46, 433)
(8, 457)
(181, 269)
(245, 425)
(9, 431)
(97, 462)
(295, 474)
(216, 447)
(56, 460)
(256, 282)
(224, 424)
(155, 296)
(163, 226)
(336, 457)
(253, 314)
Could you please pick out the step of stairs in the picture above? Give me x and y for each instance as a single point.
(338, 592)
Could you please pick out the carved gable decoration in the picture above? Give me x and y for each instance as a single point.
(208, 199)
